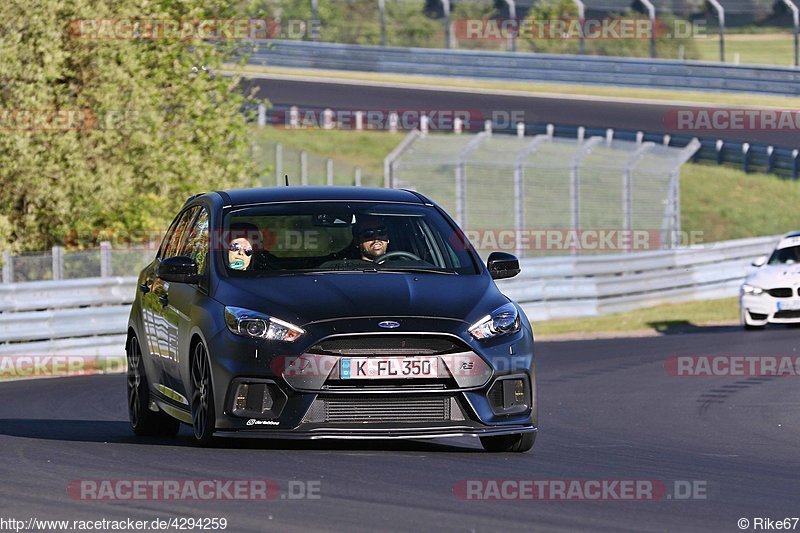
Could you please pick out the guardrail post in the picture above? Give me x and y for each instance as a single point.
(458, 125)
(294, 117)
(720, 144)
(721, 17)
(520, 129)
(423, 124)
(8, 267)
(357, 177)
(58, 262)
(487, 126)
(745, 156)
(329, 171)
(639, 137)
(795, 153)
(278, 164)
(581, 134)
(359, 120)
(550, 129)
(105, 259)
(770, 158)
(393, 120)
(609, 136)
(262, 115)
(303, 168)
(327, 119)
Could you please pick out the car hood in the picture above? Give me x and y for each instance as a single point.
(306, 298)
(773, 276)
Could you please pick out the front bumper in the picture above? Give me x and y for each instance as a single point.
(381, 433)
(468, 410)
(763, 309)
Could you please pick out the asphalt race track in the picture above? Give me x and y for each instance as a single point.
(536, 109)
(609, 411)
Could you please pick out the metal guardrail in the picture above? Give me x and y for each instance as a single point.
(47, 317)
(595, 70)
(556, 287)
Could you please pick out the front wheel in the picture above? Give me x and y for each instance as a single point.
(143, 420)
(517, 442)
(203, 415)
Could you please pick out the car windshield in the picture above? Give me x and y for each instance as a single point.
(340, 237)
(785, 256)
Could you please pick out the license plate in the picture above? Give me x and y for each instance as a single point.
(388, 367)
(791, 305)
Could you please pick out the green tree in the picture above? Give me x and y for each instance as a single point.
(154, 132)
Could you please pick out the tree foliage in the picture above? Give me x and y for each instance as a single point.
(153, 132)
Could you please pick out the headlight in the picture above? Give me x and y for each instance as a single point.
(502, 321)
(257, 325)
(750, 289)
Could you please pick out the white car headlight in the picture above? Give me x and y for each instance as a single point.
(253, 324)
(751, 289)
(502, 321)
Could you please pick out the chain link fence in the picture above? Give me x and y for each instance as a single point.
(276, 160)
(542, 195)
(60, 264)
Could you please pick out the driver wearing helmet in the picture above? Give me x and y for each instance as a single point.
(371, 237)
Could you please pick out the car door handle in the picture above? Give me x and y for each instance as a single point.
(144, 288)
(163, 300)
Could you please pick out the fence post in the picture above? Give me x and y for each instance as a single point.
(315, 17)
(262, 115)
(278, 164)
(58, 263)
(382, 13)
(721, 17)
(329, 171)
(303, 168)
(105, 259)
(512, 14)
(446, 10)
(8, 267)
(357, 177)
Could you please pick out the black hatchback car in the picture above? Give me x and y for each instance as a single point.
(328, 312)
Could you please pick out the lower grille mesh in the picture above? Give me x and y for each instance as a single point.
(380, 408)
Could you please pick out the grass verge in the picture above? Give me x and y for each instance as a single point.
(659, 319)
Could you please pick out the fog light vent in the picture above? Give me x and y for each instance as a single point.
(510, 396)
(253, 399)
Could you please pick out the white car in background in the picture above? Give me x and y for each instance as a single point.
(771, 294)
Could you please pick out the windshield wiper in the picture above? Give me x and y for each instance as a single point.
(416, 270)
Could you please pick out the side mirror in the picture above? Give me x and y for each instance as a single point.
(178, 269)
(502, 265)
(760, 261)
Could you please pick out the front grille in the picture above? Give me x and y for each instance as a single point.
(787, 314)
(382, 408)
(781, 292)
(386, 345)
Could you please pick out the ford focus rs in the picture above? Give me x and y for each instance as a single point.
(303, 312)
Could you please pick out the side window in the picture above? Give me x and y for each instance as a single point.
(177, 238)
(197, 243)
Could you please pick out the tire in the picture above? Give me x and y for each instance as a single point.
(203, 413)
(517, 443)
(144, 422)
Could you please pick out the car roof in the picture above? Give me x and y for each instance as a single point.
(304, 194)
